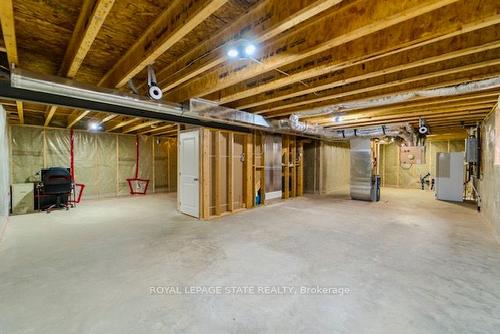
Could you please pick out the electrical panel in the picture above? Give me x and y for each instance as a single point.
(412, 155)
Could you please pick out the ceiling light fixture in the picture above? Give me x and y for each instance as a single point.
(94, 126)
(250, 49)
(233, 53)
(242, 49)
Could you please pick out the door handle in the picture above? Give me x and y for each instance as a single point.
(195, 179)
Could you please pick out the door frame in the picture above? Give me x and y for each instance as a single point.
(200, 183)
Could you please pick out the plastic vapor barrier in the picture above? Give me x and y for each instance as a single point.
(27, 153)
(58, 147)
(102, 161)
(126, 162)
(4, 169)
(165, 168)
(395, 174)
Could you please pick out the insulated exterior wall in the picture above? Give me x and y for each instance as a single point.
(145, 158)
(489, 185)
(126, 162)
(57, 147)
(334, 168)
(165, 170)
(27, 153)
(95, 164)
(4, 170)
(408, 176)
(102, 161)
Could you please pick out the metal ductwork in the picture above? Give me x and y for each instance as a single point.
(27, 86)
(466, 88)
(390, 130)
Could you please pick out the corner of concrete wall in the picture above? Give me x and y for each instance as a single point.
(489, 184)
(4, 171)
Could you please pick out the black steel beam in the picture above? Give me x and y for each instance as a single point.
(11, 93)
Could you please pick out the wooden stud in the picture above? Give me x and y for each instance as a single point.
(218, 176)
(300, 178)
(230, 172)
(248, 172)
(263, 171)
(205, 173)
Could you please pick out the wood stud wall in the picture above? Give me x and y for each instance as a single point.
(293, 167)
(233, 171)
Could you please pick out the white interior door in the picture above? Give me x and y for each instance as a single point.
(189, 173)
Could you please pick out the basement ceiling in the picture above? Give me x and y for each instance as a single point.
(311, 54)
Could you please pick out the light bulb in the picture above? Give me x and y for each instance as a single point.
(233, 53)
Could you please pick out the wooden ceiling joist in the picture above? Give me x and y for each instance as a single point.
(172, 132)
(355, 117)
(9, 39)
(368, 70)
(158, 129)
(439, 119)
(90, 20)
(8, 30)
(312, 55)
(108, 118)
(92, 16)
(279, 16)
(442, 24)
(49, 114)
(416, 114)
(140, 126)
(179, 19)
(314, 38)
(389, 85)
(122, 123)
(75, 117)
(423, 102)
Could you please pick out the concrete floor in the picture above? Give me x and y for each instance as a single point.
(412, 264)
